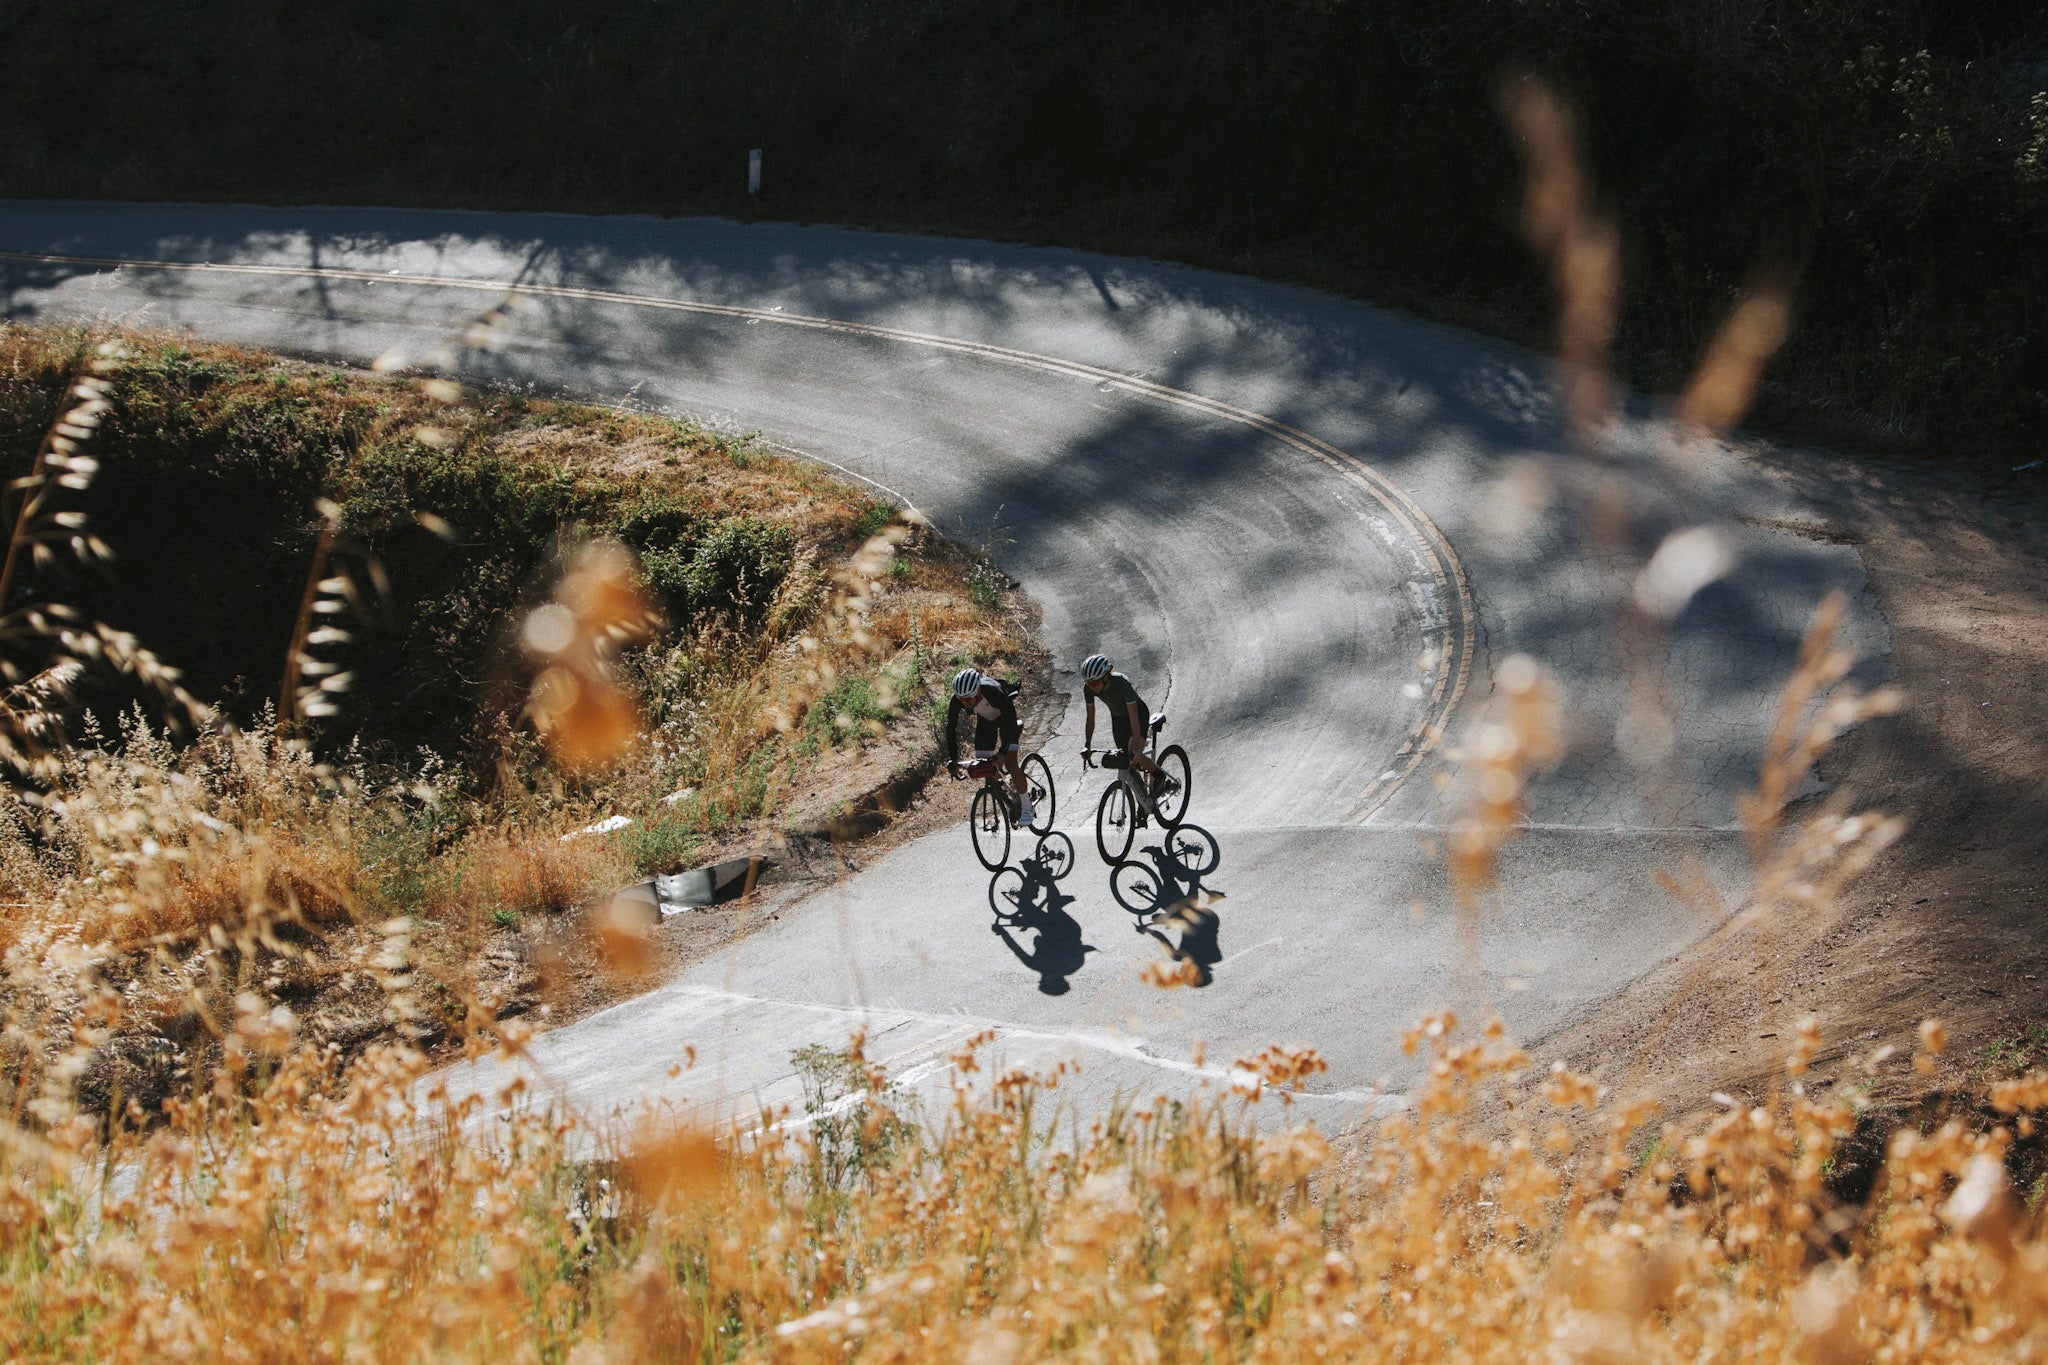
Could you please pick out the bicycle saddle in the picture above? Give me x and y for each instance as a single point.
(1158, 722)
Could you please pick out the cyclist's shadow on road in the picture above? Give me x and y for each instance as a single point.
(1027, 901)
(1163, 886)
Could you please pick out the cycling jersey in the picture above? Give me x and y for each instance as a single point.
(994, 709)
(1119, 695)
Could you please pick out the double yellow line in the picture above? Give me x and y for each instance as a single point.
(1460, 629)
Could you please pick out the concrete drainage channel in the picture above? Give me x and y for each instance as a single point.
(655, 899)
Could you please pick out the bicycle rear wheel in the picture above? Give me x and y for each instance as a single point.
(1115, 824)
(1038, 780)
(1177, 787)
(989, 823)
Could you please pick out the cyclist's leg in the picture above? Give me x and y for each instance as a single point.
(987, 743)
(1139, 742)
(1130, 747)
(1012, 762)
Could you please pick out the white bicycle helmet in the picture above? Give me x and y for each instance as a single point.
(1094, 666)
(966, 683)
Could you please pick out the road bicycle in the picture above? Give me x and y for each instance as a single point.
(994, 812)
(1131, 799)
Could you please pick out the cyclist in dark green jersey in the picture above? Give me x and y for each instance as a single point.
(1130, 719)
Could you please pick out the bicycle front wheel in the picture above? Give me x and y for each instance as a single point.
(1038, 780)
(1115, 824)
(1175, 785)
(990, 825)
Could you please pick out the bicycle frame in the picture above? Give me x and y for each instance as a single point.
(993, 777)
(1128, 773)
(1141, 792)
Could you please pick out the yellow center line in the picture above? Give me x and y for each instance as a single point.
(1453, 670)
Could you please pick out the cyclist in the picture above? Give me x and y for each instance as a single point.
(1130, 720)
(997, 730)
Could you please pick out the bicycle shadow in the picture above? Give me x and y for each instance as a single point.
(1166, 892)
(1027, 897)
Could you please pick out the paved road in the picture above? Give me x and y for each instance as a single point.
(1305, 526)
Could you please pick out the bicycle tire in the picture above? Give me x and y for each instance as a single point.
(989, 825)
(1038, 781)
(1173, 806)
(1115, 822)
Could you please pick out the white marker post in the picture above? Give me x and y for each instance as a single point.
(754, 171)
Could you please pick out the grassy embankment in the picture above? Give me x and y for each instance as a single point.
(178, 859)
(1895, 155)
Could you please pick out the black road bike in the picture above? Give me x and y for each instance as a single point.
(994, 813)
(1135, 798)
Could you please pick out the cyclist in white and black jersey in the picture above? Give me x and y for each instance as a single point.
(997, 730)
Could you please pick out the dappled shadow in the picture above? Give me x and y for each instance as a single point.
(1149, 528)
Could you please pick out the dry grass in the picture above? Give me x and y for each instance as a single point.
(321, 1217)
(289, 1204)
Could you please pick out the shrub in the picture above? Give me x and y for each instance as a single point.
(733, 569)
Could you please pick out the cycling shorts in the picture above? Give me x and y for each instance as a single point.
(987, 732)
(1120, 727)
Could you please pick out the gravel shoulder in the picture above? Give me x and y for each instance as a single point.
(1953, 922)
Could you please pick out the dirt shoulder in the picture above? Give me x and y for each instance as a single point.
(1952, 923)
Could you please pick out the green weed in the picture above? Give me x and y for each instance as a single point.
(986, 585)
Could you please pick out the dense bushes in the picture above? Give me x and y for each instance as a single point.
(734, 566)
(1898, 152)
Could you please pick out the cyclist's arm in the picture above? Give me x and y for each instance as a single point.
(953, 710)
(1088, 734)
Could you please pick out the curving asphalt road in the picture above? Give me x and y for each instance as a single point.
(1309, 528)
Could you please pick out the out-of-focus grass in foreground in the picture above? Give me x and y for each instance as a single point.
(322, 1216)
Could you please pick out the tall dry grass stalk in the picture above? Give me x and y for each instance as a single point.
(1576, 240)
(46, 648)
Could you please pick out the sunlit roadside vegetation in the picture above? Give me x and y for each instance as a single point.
(183, 826)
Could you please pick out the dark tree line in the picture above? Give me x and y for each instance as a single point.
(1896, 153)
